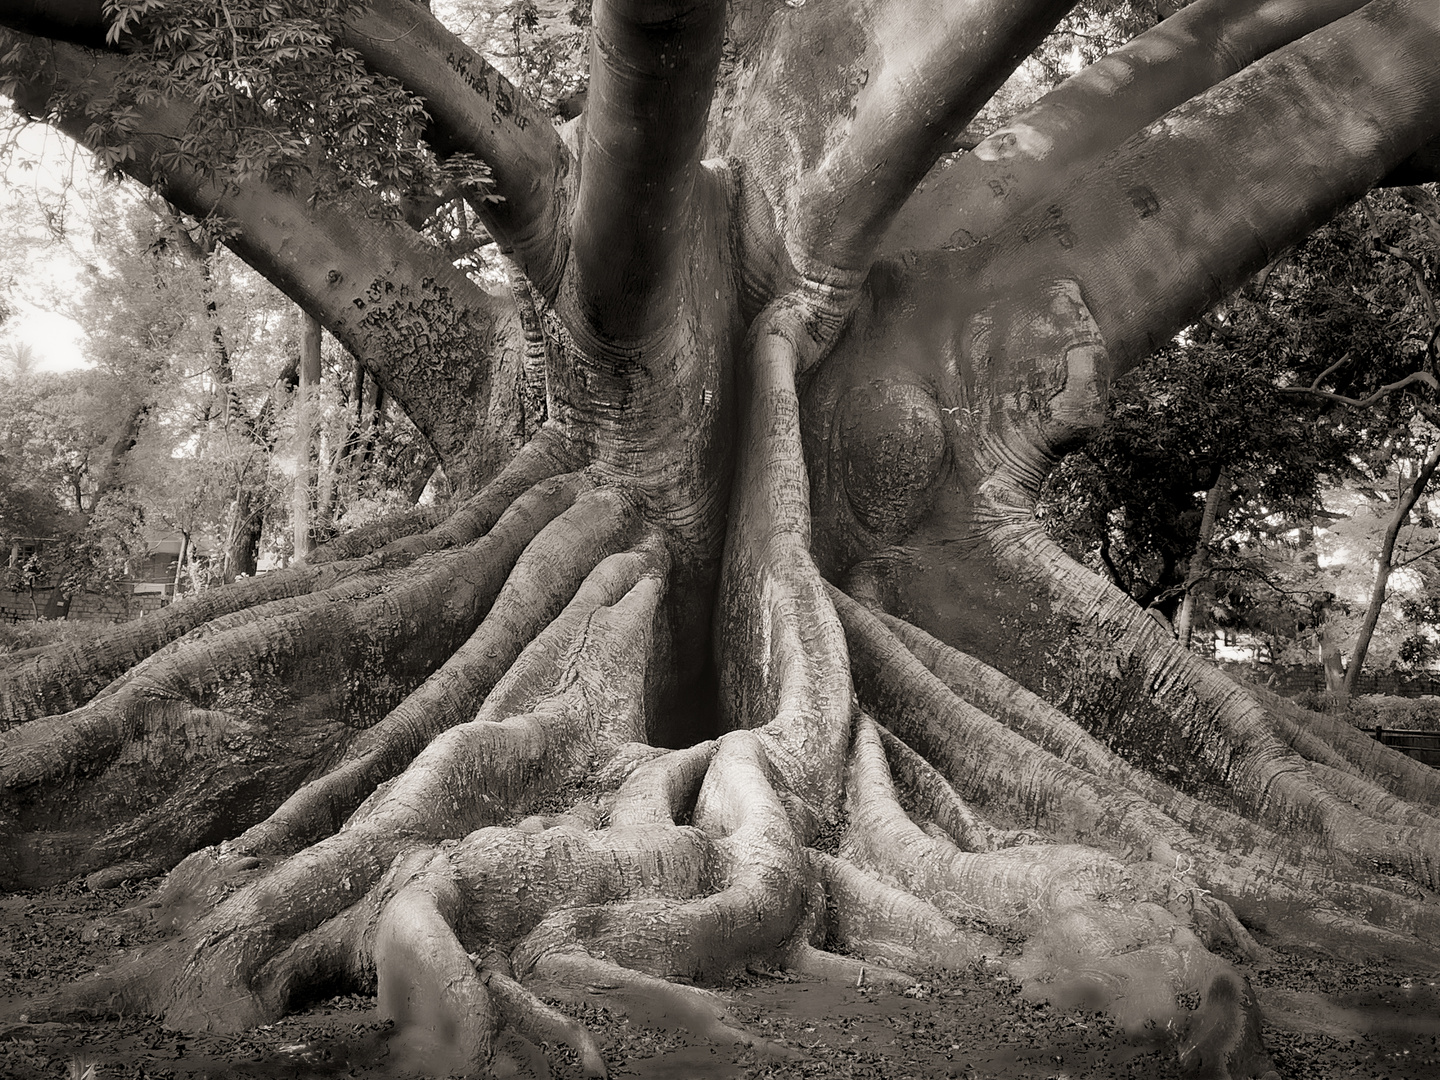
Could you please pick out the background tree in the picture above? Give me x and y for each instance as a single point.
(1386, 319)
(175, 426)
(620, 718)
(1235, 410)
(1199, 417)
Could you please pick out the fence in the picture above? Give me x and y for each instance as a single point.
(1290, 681)
(50, 603)
(1420, 745)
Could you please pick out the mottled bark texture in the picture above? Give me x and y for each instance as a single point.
(754, 651)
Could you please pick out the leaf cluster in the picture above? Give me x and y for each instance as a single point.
(1196, 415)
(1349, 312)
(273, 94)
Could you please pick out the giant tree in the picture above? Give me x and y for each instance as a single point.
(751, 650)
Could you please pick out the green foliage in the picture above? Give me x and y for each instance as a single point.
(276, 95)
(1094, 28)
(540, 45)
(181, 424)
(1369, 711)
(55, 430)
(37, 633)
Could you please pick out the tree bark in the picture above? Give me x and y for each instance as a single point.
(1332, 663)
(119, 444)
(303, 495)
(435, 341)
(175, 589)
(1195, 572)
(242, 541)
(1069, 130)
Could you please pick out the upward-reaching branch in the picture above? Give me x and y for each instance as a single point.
(472, 107)
(856, 101)
(476, 109)
(1077, 124)
(929, 66)
(1200, 200)
(652, 74)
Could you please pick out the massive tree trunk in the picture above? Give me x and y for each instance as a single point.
(754, 651)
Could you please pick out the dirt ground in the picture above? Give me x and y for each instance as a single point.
(1326, 1020)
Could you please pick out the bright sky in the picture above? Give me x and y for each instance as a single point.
(44, 260)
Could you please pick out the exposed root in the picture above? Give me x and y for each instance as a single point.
(447, 1013)
(1373, 800)
(998, 886)
(425, 981)
(754, 911)
(869, 918)
(1336, 742)
(933, 797)
(289, 680)
(55, 679)
(781, 649)
(1217, 923)
(490, 667)
(832, 967)
(1116, 806)
(1227, 733)
(62, 677)
(423, 530)
(1131, 958)
(998, 696)
(579, 897)
(573, 974)
(539, 1022)
(664, 788)
(475, 773)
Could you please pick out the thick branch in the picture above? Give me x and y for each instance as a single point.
(652, 73)
(1074, 126)
(1196, 203)
(473, 107)
(931, 65)
(478, 110)
(422, 328)
(848, 108)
